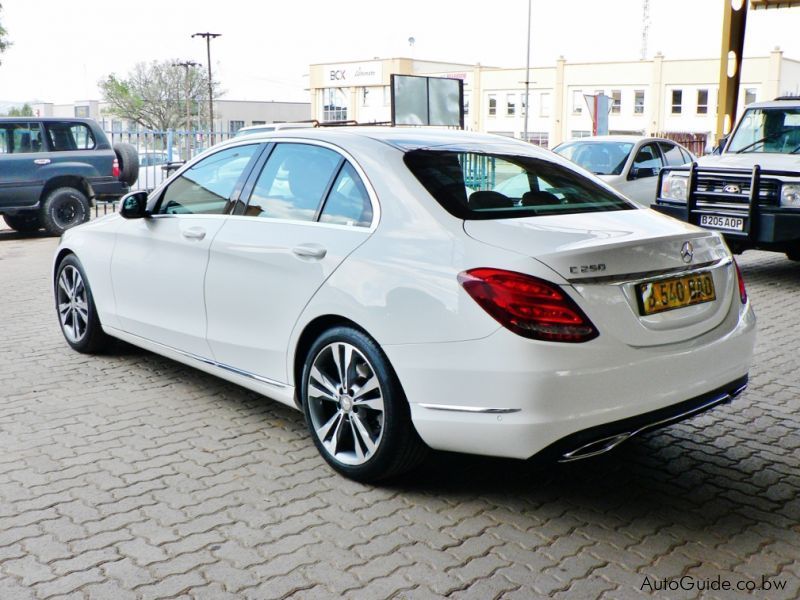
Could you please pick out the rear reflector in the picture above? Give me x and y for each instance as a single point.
(115, 168)
(740, 279)
(528, 306)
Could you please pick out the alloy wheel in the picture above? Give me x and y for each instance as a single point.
(345, 403)
(73, 304)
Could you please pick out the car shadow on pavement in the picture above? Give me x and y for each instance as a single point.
(8, 235)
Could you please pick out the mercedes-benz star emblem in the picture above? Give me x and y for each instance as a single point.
(687, 252)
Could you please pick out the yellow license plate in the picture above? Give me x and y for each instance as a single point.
(668, 294)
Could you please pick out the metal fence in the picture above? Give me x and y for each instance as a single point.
(157, 148)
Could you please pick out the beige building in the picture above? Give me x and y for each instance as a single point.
(649, 97)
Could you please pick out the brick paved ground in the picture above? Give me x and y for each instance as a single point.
(131, 476)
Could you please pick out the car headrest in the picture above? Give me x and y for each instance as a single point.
(489, 199)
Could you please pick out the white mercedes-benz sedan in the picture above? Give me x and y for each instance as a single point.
(377, 280)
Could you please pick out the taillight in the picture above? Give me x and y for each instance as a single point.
(115, 168)
(740, 279)
(528, 306)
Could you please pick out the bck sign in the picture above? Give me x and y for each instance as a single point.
(338, 75)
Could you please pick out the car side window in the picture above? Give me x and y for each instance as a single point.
(348, 201)
(25, 138)
(648, 157)
(293, 182)
(672, 154)
(66, 137)
(206, 187)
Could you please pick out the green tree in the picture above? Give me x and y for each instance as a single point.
(154, 95)
(4, 43)
(22, 111)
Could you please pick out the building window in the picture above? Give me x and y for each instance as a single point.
(234, 126)
(466, 104)
(523, 103)
(702, 102)
(544, 104)
(511, 105)
(638, 102)
(334, 104)
(616, 101)
(492, 105)
(677, 102)
(749, 96)
(539, 138)
(116, 126)
(82, 112)
(577, 102)
(364, 96)
(576, 134)
(258, 123)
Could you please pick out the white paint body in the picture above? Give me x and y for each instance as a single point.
(236, 302)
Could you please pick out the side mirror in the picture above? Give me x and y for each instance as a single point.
(642, 172)
(133, 205)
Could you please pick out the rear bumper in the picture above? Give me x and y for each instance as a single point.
(108, 188)
(507, 396)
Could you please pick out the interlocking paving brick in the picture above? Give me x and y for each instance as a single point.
(131, 476)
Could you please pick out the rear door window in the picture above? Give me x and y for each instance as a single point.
(293, 182)
(472, 185)
(348, 201)
(648, 157)
(672, 154)
(70, 137)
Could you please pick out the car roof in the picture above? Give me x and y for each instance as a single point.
(402, 138)
(48, 119)
(784, 103)
(620, 138)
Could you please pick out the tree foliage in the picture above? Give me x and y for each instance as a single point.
(154, 95)
(21, 111)
(4, 43)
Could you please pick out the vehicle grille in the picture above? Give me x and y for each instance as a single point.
(710, 189)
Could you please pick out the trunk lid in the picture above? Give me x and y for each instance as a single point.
(604, 256)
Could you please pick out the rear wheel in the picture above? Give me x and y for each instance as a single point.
(26, 222)
(77, 313)
(63, 208)
(355, 408)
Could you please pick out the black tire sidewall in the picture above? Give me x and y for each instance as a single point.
(396, 415)
(53, 200)
(128, 159)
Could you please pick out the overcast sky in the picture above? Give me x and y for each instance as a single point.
(62, 48)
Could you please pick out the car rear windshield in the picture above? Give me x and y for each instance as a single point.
(471, 185)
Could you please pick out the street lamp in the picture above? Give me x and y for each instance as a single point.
(187, 64)
(209, 37)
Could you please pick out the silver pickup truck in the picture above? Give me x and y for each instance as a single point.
(751, 190)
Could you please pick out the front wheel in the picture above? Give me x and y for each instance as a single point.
(63, 208)
(77, 313)
(355, 408)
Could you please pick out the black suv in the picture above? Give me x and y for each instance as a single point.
(51, 168)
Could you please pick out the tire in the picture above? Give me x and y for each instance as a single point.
(367, 438)
(63, 208)
(25, 222)
(75, 308)
(128, 159)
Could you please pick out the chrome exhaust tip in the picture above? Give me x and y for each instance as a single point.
(595, 448)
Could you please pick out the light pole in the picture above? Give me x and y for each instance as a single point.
(187, 64)
(209, 37)
(528, 74)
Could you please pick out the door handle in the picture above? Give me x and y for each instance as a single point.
(42, 161)
(314, 251)
(194, 233)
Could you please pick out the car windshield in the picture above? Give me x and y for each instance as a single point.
(601, 158)
(768, 130)
(472, 185)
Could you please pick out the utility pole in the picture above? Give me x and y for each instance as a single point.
(528, 74)
(209, 37)
(187, 64)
